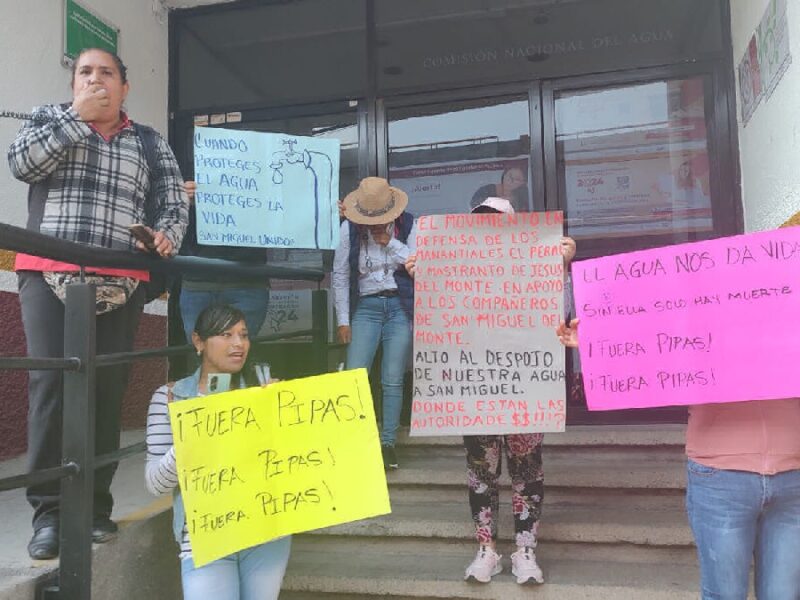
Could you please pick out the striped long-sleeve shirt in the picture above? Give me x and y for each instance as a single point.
(97, 187)
(161, 473)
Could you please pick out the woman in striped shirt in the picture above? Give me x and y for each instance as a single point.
(222, 343)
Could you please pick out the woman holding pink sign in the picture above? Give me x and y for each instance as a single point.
(742, 494)
(524, 462)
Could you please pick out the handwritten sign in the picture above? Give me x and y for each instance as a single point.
(261, 463)
(691, 324)
(488, 293)
(266, 190)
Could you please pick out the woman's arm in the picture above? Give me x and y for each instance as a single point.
(161, 472)
(340, 278)
(40, 146)
(171, 194)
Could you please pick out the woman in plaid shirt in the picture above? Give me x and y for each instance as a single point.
(90, 180)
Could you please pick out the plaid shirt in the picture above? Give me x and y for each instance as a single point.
(97, 187)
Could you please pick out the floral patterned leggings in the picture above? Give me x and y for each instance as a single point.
(524, 461)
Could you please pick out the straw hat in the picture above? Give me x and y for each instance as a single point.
(375, 202)
(500, 205)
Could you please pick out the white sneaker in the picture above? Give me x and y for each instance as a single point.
(485, 565)
(523, 565)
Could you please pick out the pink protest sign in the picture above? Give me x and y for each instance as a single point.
(696, 323)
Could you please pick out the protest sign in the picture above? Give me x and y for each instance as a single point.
(691, 324)
(260, 463)
(266, 190)
(488, 295)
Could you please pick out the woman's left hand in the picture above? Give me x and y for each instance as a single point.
(568, 249)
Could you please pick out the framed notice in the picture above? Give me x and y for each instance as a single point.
(85, 29)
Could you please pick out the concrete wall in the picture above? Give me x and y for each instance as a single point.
(770, 143)
(32, 35)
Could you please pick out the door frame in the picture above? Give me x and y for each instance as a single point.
(723, 178)
(532, 89)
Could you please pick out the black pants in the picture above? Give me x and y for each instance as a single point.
(43, 320)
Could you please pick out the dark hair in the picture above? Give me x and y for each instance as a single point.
(508, 170)
(216, 320)
(123, 70)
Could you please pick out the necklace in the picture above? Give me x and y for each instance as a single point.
(368, 259)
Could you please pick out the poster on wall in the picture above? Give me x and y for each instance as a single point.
(765, 59)
(458, 187)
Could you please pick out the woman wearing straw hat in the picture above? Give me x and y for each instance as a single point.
(373, 294)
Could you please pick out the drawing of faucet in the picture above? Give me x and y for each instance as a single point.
(311, 161)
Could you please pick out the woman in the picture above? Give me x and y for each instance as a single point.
(221, 339)
(513, 187)
(93, 173)
(524, 462)
(742, 494)
(373, 294)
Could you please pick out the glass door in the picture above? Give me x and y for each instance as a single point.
(634, 165)
(450, 155)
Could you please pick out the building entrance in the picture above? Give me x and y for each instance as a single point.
(620, 113)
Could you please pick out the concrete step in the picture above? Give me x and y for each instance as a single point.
(603, 516)
(580, 435)
(428, 569)
(618, 468)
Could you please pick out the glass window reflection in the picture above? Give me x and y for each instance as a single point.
(450, 158)
(633, 161)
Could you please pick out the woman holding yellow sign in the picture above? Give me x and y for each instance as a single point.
(221, 339)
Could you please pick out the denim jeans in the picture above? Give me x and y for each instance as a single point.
(252, 302)
(252, 574)
(737, 516)
(383, 320)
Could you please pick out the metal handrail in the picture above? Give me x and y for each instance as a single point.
(81, 362)
(33, 242)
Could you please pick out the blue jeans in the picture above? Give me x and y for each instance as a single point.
(252, 574)
(252, 302)
(383, 320)
(736, 516)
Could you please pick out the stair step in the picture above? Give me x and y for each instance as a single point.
(589, 518)
(580, 435)
(650, 468)
(405, 569)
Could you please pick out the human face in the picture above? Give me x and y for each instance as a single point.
(98, 68)
(226, 352)
(513, 179)
(374, 229)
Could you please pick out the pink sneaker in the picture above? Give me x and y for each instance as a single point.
(524, 567)
(485, 565)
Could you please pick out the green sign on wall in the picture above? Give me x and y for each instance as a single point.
(83, 29)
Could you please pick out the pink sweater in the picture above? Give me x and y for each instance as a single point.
(759, 437)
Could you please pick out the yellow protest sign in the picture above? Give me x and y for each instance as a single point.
(259, 463)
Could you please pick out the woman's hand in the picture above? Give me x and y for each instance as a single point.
(568, 334)
(411, 265)
(271, 381)
(568, 249)
(345, 334)
(190, 187)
